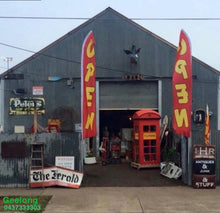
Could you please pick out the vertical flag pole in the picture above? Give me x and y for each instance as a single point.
(189, 161)
(81, 152)
(184, 162)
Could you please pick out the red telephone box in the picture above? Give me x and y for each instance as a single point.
(146, 145)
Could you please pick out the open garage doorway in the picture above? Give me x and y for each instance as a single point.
(118, 123)
(115, 120)
(122, 174)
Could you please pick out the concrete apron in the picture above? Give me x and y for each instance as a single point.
(181, 199)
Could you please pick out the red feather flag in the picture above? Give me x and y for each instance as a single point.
(88, 73)
(182, 87)
(207, 127)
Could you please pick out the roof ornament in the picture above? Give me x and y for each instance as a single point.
(133, 53)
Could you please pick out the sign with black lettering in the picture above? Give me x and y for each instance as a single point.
(65, 162)
(55, 176)
(134, 77)
(204, 166)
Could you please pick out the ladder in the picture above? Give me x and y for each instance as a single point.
(37, 158)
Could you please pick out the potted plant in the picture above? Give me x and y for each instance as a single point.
(90, 158)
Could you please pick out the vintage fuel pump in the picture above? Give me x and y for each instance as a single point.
(146, 145)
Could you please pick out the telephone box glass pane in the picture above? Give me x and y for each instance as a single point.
(137, 158)
(136, 128)
(146, 157)
(153, 157)
(153, 128)
(146, 150)
(146, 142)
(153, 142)
(153, 149)
(146, 128)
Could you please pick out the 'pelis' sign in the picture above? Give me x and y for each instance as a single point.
(25, 106)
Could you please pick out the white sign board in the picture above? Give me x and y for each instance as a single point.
(78, 127)
(19, 129)
(171, 171)
(65, 162)
(37, 90)
(55, 176)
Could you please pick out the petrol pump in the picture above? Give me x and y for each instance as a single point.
(146, 145)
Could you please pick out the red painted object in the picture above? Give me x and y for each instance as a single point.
(116, 150)
(104, 150)
(146, 146)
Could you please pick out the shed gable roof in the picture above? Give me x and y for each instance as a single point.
(117, 15)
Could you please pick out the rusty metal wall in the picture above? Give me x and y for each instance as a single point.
(14, 171)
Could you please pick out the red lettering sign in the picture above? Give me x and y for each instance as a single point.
(88, 70)
(182, 87)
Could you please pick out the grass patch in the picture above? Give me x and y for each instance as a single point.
(27, 204)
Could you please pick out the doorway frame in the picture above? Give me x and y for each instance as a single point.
(97, 139)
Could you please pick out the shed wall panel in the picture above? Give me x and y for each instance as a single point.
(14, 171)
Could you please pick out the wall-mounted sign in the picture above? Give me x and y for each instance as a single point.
(146, 136)
(204, 166)
(199, 116)
(203, 151)
(38, 90)
(204, 181)
(134, 77)
(19, 129)
(78, 127)
(54, 125)
(136, 136)
(25, 106)
(55, 176)
(149, 136)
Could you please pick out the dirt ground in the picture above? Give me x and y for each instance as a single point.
(123, 175)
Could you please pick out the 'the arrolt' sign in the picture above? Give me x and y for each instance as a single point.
(55, 176)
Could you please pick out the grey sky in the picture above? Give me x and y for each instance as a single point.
(36, 34)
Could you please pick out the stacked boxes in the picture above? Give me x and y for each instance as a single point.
(204, 167)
